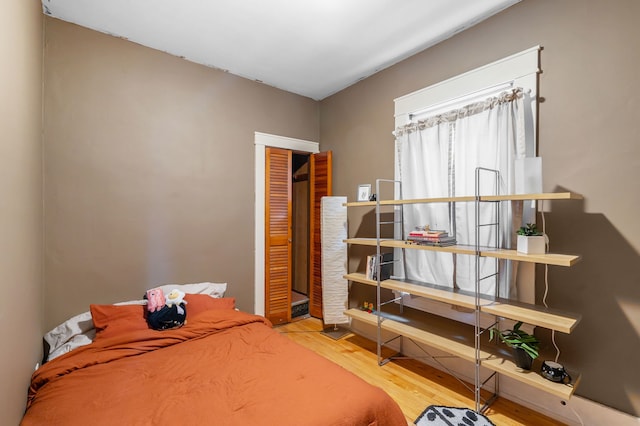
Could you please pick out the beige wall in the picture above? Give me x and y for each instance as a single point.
(21, 314)
(589, 140)
(149, 169)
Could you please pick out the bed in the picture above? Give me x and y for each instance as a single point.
(223, 367)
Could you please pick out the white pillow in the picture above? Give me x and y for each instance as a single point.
(212, 289)
(74, 342)
(74, 332)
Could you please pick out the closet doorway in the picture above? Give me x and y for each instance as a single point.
(300, 241)
(287, 172)
(289, 256)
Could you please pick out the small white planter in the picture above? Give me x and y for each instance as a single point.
(531, 244)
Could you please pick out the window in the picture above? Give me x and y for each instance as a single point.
(485, 117)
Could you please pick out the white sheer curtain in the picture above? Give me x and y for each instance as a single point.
(438, 157)
(424, 167)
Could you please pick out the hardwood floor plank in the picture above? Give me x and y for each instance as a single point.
(411, 383)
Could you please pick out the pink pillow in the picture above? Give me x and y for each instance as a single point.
(197, 303)
(111, 320)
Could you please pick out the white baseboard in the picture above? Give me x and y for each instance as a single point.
(577, 411)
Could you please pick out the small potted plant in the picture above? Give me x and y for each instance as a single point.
(525, 346)
(530, 240)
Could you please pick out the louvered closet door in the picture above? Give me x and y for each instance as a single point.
(319, 186)
(278, 235)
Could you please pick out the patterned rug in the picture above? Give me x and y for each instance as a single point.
(437, 415)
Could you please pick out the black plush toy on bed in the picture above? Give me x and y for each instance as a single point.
(167, 312)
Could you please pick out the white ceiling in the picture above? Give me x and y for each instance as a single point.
(310, 47)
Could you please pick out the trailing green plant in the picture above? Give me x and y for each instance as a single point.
(517, 338)
(530, 230)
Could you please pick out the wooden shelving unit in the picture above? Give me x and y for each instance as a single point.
(470, 348)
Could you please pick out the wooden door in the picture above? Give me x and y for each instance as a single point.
(278, 235)
(320, 185)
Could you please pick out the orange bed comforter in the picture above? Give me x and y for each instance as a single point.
(225, 368)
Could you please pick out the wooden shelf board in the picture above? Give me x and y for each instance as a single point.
(412, 201)
(430, 292)
(546, 258)
(467, 198)
(360, 204)
(489, 359)
(539, 196)
(563, 322)
(460, 249)
(434, 340)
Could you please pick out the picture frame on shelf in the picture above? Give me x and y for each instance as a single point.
(364, 192)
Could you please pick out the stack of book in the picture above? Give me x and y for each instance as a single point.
(431, 237)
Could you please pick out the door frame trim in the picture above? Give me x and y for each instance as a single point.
(262, 140)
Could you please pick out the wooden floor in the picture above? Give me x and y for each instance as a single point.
(413, 384)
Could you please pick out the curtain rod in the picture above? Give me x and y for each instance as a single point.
(462, 99)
